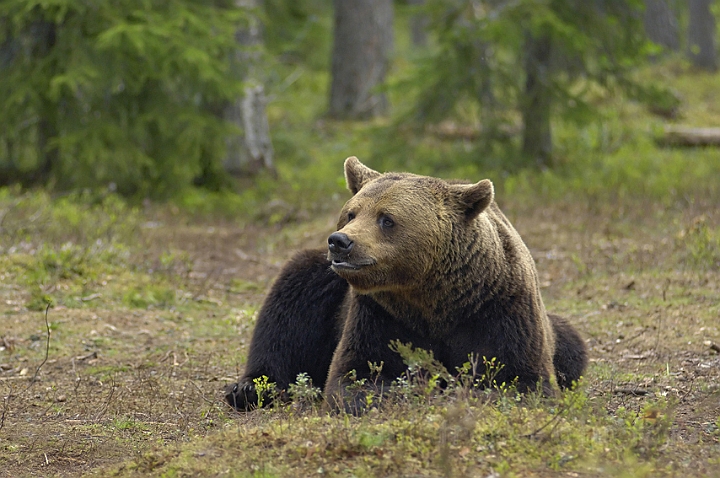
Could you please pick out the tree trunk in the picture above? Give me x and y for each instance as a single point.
(661, 24)
(44, 35)
(484, 89)
(48, 154)
(688, 136)
(701, 35)
(40, 37)
(9, 46)
(418, 25)
(363, 42)
(537, 135)
(8, 167)
(251, 152)
(257, 128)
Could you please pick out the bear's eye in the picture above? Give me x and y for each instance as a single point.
(386, 222)
(351, 216)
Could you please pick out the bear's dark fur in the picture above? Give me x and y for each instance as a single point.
(419, 260)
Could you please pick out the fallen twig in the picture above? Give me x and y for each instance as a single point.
(213, 402)
(630, 391)
(8, 399)
(555, 419)
(47, 345)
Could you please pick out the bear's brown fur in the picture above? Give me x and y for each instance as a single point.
(428, 262)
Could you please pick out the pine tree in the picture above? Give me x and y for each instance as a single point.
(526, 56)
(94, 93)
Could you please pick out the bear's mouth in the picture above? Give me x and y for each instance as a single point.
(348, 266)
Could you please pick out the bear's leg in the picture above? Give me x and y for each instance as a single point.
(297, 330)
(570, 357)
(353, 384)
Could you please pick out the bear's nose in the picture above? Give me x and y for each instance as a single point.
(339, 243)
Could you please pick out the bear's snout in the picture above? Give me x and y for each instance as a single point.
(339, 243)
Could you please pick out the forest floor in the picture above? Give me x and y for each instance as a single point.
(152, 317)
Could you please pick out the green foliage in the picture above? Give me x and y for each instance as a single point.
(701, 244)
(115, 93)
(296, 31)
(419, 361)
(61, 248)
(150, 295)
(266, 390)
(49, 265)
(83, 218)
(425, 377)
(129, 424)
(302, 392)
(451, 436)
(645, 431)
(475, 74)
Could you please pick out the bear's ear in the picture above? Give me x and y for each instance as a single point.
(357, 174)
(473, 198)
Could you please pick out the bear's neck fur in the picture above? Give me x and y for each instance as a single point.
(483, 260)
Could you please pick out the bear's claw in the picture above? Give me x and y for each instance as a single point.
(241, 396)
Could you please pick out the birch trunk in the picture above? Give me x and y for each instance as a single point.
(252, 151)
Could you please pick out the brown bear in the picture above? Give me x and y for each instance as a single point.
(418, 260)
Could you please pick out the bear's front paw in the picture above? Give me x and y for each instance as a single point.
(242, 396)
(354, 400)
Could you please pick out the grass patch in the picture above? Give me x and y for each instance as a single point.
(574, 435)
(133, 382)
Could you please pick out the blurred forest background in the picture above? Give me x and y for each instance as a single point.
(227, 104)
(159, 160)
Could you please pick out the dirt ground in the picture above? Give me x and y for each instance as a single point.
(115, 376)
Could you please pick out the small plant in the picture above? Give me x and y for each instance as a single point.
(424, 374)
(174, 264)
(303, 392)
(488, 376)
(701, 244)
(357, 389)
(266, 390)
(150, 295)
(129, 424)
(654, 425)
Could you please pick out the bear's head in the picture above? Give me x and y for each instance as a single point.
(398, 227)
